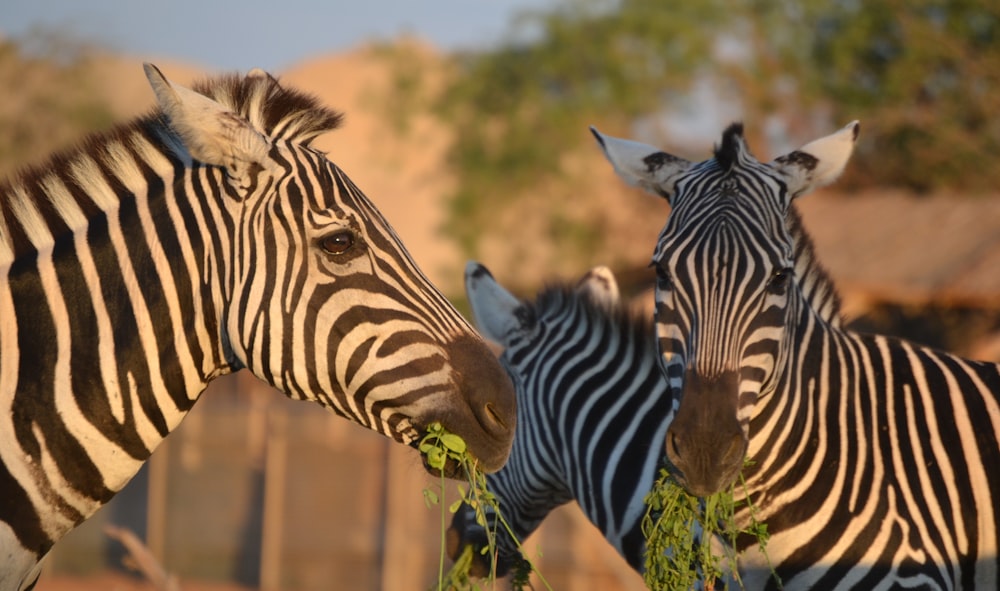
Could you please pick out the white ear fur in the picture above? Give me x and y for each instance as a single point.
(642, 165)
(212, 133)
(819, 162)
(601, 285)
(494, 308)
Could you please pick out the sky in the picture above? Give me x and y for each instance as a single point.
(269, 34)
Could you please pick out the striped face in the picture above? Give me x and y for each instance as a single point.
(320, 297)
(327, 305)
(728, 286)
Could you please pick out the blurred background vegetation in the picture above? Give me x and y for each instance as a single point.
(46, 74)
(921, 75)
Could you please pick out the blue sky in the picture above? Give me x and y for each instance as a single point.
(268, 34)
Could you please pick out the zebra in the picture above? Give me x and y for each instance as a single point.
(206, 237)
(593, 406)
(875, 462)
(592, 409)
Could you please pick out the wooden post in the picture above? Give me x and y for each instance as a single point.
(156, 511)
(272, 530)
(412, 531)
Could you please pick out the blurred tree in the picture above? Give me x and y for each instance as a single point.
(920, 74)
(47, 99)
(520, 112)
(925, 77)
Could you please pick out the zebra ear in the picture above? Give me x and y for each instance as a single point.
(499, 315)
(211, 133)
(819, 162)
(642, 165)
(600, 284)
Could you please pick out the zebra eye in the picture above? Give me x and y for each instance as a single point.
(663, 280)
(779, 280)
(337, 243)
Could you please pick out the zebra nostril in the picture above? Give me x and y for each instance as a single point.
(494, 414)
(675, 445)
(734, 453)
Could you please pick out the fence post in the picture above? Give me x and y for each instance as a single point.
(156, 511)
(408, 560)
(275, 468)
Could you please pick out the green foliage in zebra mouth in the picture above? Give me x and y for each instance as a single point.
(447, 453)
(675, 559)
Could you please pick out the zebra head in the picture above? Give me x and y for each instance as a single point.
(318, 296)
(728, 285)
(536, 337)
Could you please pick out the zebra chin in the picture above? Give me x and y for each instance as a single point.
(486, 414)
(705, 442)
(705, 486)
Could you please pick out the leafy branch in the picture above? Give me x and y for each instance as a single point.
(441, 447)
(679, 529)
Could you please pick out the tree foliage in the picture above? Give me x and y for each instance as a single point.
(925, 75)
(521, 111)
(921, 75)
(47, 98)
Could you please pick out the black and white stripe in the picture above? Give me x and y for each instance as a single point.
(592, 410)
(876, 462)
(207, 237)
(593, 406)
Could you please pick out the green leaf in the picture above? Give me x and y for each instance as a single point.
(439, 447)
(453, 442)
(436, 458)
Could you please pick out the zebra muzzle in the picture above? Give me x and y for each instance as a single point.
(705, 443)
(489, 416)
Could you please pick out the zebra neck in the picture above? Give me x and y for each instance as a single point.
(822, 388)
(780, 446)
(814, 282)
(110, 301)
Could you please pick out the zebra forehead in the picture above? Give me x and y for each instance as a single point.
(279, 112)
(727, 235)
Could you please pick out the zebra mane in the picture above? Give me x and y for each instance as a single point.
(279, 112)
(628, 320)
(816, 283)
(727, 154)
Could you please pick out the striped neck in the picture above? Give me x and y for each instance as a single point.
(110, 242)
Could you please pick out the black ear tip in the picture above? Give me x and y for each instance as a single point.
(857, 130)
(597, 135)
(478, 271)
